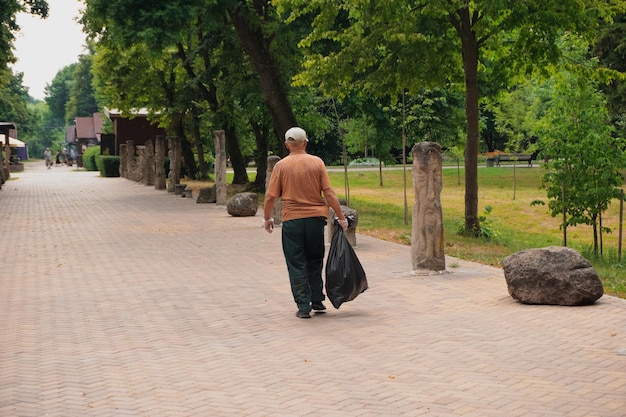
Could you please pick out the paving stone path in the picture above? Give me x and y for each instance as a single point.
(120, 300)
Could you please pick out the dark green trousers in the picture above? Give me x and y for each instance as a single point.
(303, 246)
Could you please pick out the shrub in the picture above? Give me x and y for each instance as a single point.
(89, 158)
(109, 166)
(365, 162)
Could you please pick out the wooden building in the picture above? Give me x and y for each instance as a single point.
(135, 127)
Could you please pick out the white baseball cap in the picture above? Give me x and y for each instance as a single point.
(296, 134)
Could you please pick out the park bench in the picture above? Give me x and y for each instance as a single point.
(518, 157)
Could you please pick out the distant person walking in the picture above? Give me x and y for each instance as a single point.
(47, 156)
(58, 157)
(300, 180)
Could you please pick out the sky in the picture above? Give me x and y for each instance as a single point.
(44, 46)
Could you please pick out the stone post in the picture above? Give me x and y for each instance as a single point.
(148, 168)
(140, 163)
(123, 160)
(7, 157)
(4, 173)
(351, 231)
(130, 159)
(278, 204)
(220, 168)
(427, 226)
(174, 155)
(159, 162)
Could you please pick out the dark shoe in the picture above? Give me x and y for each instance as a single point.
(318, 306)
(303, 314)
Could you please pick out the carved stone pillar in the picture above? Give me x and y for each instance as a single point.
(220, 168)
(123, 166)
(148, 163)
(278, 204)
(174, 155)
(130, 159)
(353, 222)
(427, 226)
(140, 163)
(3, 171)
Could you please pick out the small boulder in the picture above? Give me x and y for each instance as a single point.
(243, 204)
(554, 275)
(206, 195)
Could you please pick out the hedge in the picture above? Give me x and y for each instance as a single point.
(108, 165)
(89, 158)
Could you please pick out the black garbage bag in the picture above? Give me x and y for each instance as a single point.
(345, 277)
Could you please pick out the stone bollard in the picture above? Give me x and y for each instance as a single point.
(188, 192)
(179, 188)
(427, 244)
(278, 204)
(206, 195)
(353, 220)
(221, 189)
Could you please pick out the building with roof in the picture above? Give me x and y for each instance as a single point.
(135, 127)
(6, 152)
(86, 132)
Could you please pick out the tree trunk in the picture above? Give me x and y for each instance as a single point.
(210, 95)
(195, 129)
(257, 47)
(186, 151)
(261, 134)
(469, 45)
(236, 157)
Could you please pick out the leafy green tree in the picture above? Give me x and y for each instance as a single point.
(31, 118)
(610, 48)
(359, 135)
(82, 101)
(434, 115)
(187, 49)
(256, 25)
(37, 133)
(57, 95)
(136, 63)
(200, 32)
(213, 63)
(518, 110)
(584, 158)
(382, 48)
(160, 88)
(13, 104)
(8, 26)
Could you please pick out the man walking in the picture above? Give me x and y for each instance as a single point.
(47, 156)
(300, 179)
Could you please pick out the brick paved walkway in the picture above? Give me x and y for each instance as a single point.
(120, 300)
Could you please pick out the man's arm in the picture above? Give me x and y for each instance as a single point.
(333, 202)
(268, 221)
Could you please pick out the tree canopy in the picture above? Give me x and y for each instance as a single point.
(8, 25)
(382, 48)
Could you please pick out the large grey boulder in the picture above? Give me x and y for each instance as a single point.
(206, 195)
(243, 204)
(554, 275)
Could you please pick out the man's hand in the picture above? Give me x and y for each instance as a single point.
(269, 225)
(344, 224)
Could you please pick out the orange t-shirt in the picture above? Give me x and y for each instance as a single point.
(299, 179)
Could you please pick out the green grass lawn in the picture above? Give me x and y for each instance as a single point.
(513, 222)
